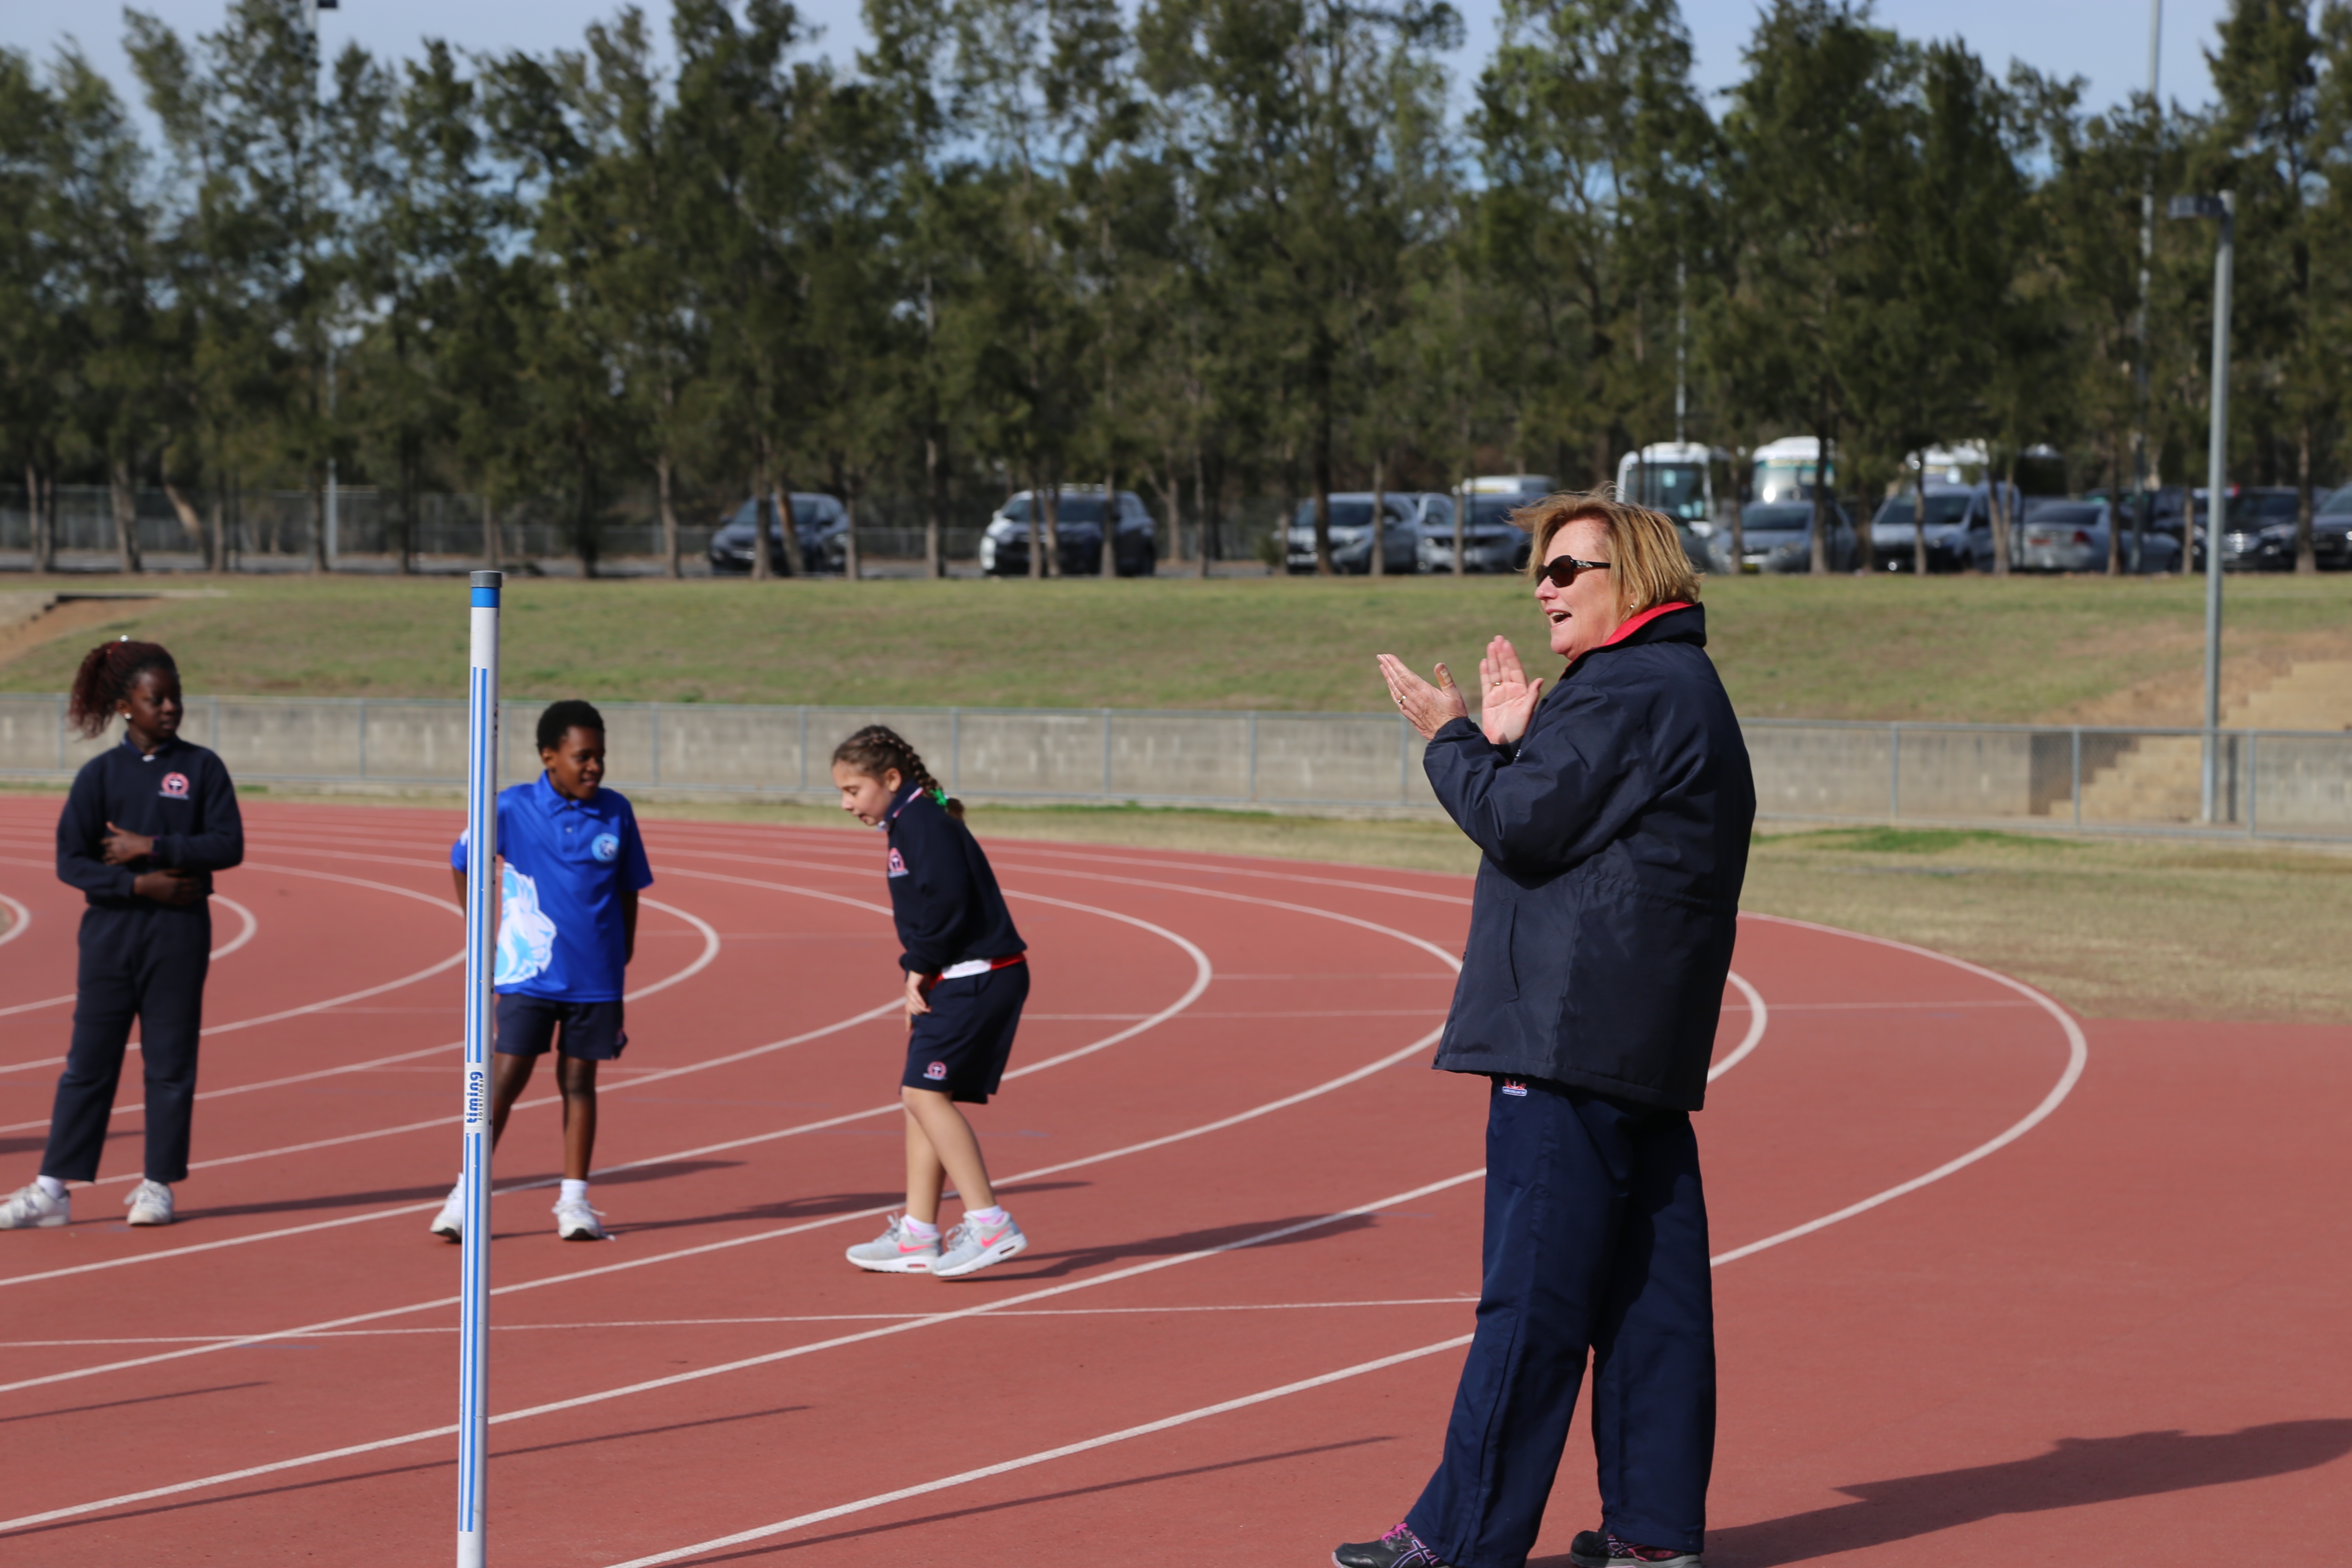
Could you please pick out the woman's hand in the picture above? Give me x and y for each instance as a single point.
(918, 999)
(121, 846)
(1428, 709)
(1506, 698)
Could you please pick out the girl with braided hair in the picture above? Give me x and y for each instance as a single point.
(967, 978)
(144, 828)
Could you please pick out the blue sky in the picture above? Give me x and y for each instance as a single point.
(2103, 41)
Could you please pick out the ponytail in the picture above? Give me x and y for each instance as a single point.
(878, 748)
(106, 674)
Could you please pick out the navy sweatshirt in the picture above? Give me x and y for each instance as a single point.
(180, 796)
(942, 894)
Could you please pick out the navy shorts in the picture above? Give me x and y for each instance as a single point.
(590, 1031)
(960, 1046)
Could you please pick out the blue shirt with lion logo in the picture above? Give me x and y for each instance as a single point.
(567, 861)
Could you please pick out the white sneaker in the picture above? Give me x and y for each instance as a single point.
(575, 1221)
(149, 1203)
(29, 1207)
(450, 1222)
(896, 1252)
(972, 1247)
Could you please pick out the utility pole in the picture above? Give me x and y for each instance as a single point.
(2223, 208)
(2144, 501)
(1682, 343)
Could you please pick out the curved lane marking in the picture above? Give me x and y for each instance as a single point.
(19, 917)
(2078, 1053)
(242, 937)
(1202, 975)
(1758, 1015)
(1755, 1034)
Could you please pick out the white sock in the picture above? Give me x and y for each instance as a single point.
(919, 1231)
(986, 1217)
(51, 1185)
(572, 1190)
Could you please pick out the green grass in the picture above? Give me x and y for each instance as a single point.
(1887, 647)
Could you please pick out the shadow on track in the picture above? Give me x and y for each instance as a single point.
(2080, 1472)
(867, 1532)
(142, 1399)
(1058, 1264)
(818, 1206)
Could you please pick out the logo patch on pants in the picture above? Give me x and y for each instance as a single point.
(1515, 1088)
(935, 1071)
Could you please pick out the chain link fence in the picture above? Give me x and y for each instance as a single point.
(2272, 783)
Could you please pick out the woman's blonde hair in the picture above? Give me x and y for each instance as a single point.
(1646, 564)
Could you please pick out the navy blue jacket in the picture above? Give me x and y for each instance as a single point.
(180, 796)
(1616, 837)
(942, 894)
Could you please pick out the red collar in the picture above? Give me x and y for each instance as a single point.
(1633, 623)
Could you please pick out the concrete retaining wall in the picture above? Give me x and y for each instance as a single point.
(2274, 782)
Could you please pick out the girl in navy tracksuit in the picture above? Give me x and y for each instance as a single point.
(146, 824)
(966, 981)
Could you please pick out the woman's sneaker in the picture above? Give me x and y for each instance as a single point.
(1592, 1549)
(149, 1203)
(896, 1252)
(29, 1209)
(575, 1221)
(1399, 1548)
(449, 1224)
(972, 1247)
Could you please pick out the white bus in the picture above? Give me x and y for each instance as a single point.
(1677, 478)
(1787, 469)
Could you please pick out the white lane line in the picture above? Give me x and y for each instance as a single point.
(723, 1369)
(2078, 1057)
(1017, 1179)
(160, 1255)
(19, 917)
(211, 1029)
(2077, 1054)
(736, 1322)
(709, 949)
(712, 951)
(1201, 975)
(1757, 1016)
(242, 937)
(1046, 1456)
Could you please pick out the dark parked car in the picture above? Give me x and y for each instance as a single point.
(1778, 536)
(819, 520)
(1491, 541)
(1077, 535)
(2258, 529)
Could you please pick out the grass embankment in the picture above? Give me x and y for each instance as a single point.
(1887, 647)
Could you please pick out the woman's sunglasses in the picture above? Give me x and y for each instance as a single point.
(1561, 570)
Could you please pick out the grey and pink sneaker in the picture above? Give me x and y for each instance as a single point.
(896, 1252)
(1399, 1548)
(972, 1247)
(1602, 1548)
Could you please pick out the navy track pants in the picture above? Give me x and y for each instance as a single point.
(1596, 1239)
(146, 965)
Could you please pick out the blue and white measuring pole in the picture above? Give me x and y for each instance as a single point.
(482, 888)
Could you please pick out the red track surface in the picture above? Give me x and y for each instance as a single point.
(2114, 1339)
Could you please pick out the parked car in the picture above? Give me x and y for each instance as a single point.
(2258, 529)
(1952, 510)
(1491, 541)
(1077, 532)
(2072, 536)
(2331, 531)
(820, 521)
(1409, 512)
(1778, 536)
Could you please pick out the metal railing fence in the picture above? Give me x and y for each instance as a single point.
(2277, 782)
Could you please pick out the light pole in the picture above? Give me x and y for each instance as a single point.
(2144, 501)
(2224, 210)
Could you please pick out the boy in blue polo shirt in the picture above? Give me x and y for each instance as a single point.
(567, 930)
